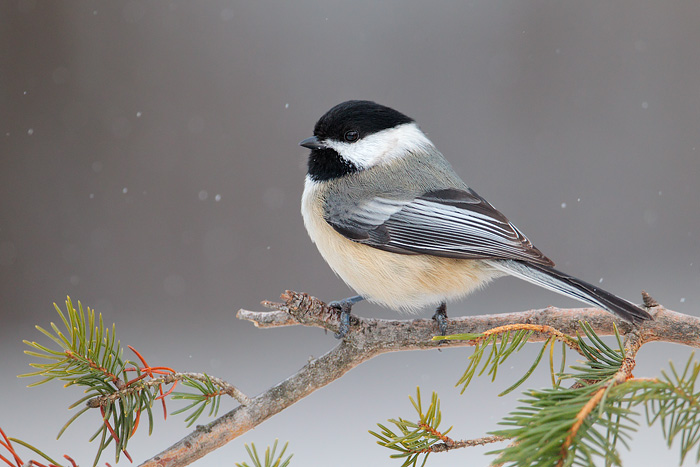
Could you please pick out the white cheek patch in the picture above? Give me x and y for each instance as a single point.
(383, 146)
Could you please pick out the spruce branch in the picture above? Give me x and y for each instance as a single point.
(89, 355)
(561, 418)
(422, 437)
(673, 402)
(573, 426)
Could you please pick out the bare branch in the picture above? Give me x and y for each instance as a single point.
(370, 337)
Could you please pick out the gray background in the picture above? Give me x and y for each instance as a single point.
(150, 169)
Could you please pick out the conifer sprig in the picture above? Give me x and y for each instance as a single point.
(573, 426)
(89, 355)
(414, 440)
(209, 394)
(577, 425)
(673, 401)
(272, 459)
(500, 343)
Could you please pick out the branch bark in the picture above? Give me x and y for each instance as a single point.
(371, 337)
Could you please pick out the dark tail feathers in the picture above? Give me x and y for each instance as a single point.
(557, 281)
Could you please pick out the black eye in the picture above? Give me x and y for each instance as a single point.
(351, 136)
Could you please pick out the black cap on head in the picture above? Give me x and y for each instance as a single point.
(347, 122)
(364, 117)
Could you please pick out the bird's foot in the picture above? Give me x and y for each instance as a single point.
(440, 317)
(345, 306)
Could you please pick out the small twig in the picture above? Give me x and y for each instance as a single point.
(468, 443)
(226, 388)
(540, 328)
(448, 443)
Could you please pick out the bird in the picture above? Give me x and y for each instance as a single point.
(392, 218)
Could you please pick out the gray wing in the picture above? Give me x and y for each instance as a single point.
(451, 223)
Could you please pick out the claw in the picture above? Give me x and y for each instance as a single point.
(440, 317)
(345, 306)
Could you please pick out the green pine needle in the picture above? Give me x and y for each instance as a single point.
(272, 459)
(494, 350)
(87, 354)
(209, 395)
(545, 428)
(412, 440)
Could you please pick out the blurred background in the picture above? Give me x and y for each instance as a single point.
(150, 168)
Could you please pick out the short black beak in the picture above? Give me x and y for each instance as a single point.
(312, 143)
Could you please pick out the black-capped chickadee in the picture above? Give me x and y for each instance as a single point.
(398, 225)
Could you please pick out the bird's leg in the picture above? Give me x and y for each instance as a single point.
(440, 317)
(345, 306)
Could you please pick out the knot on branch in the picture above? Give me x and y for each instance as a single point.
(298, 308)
(649, 302)
(305, 308)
